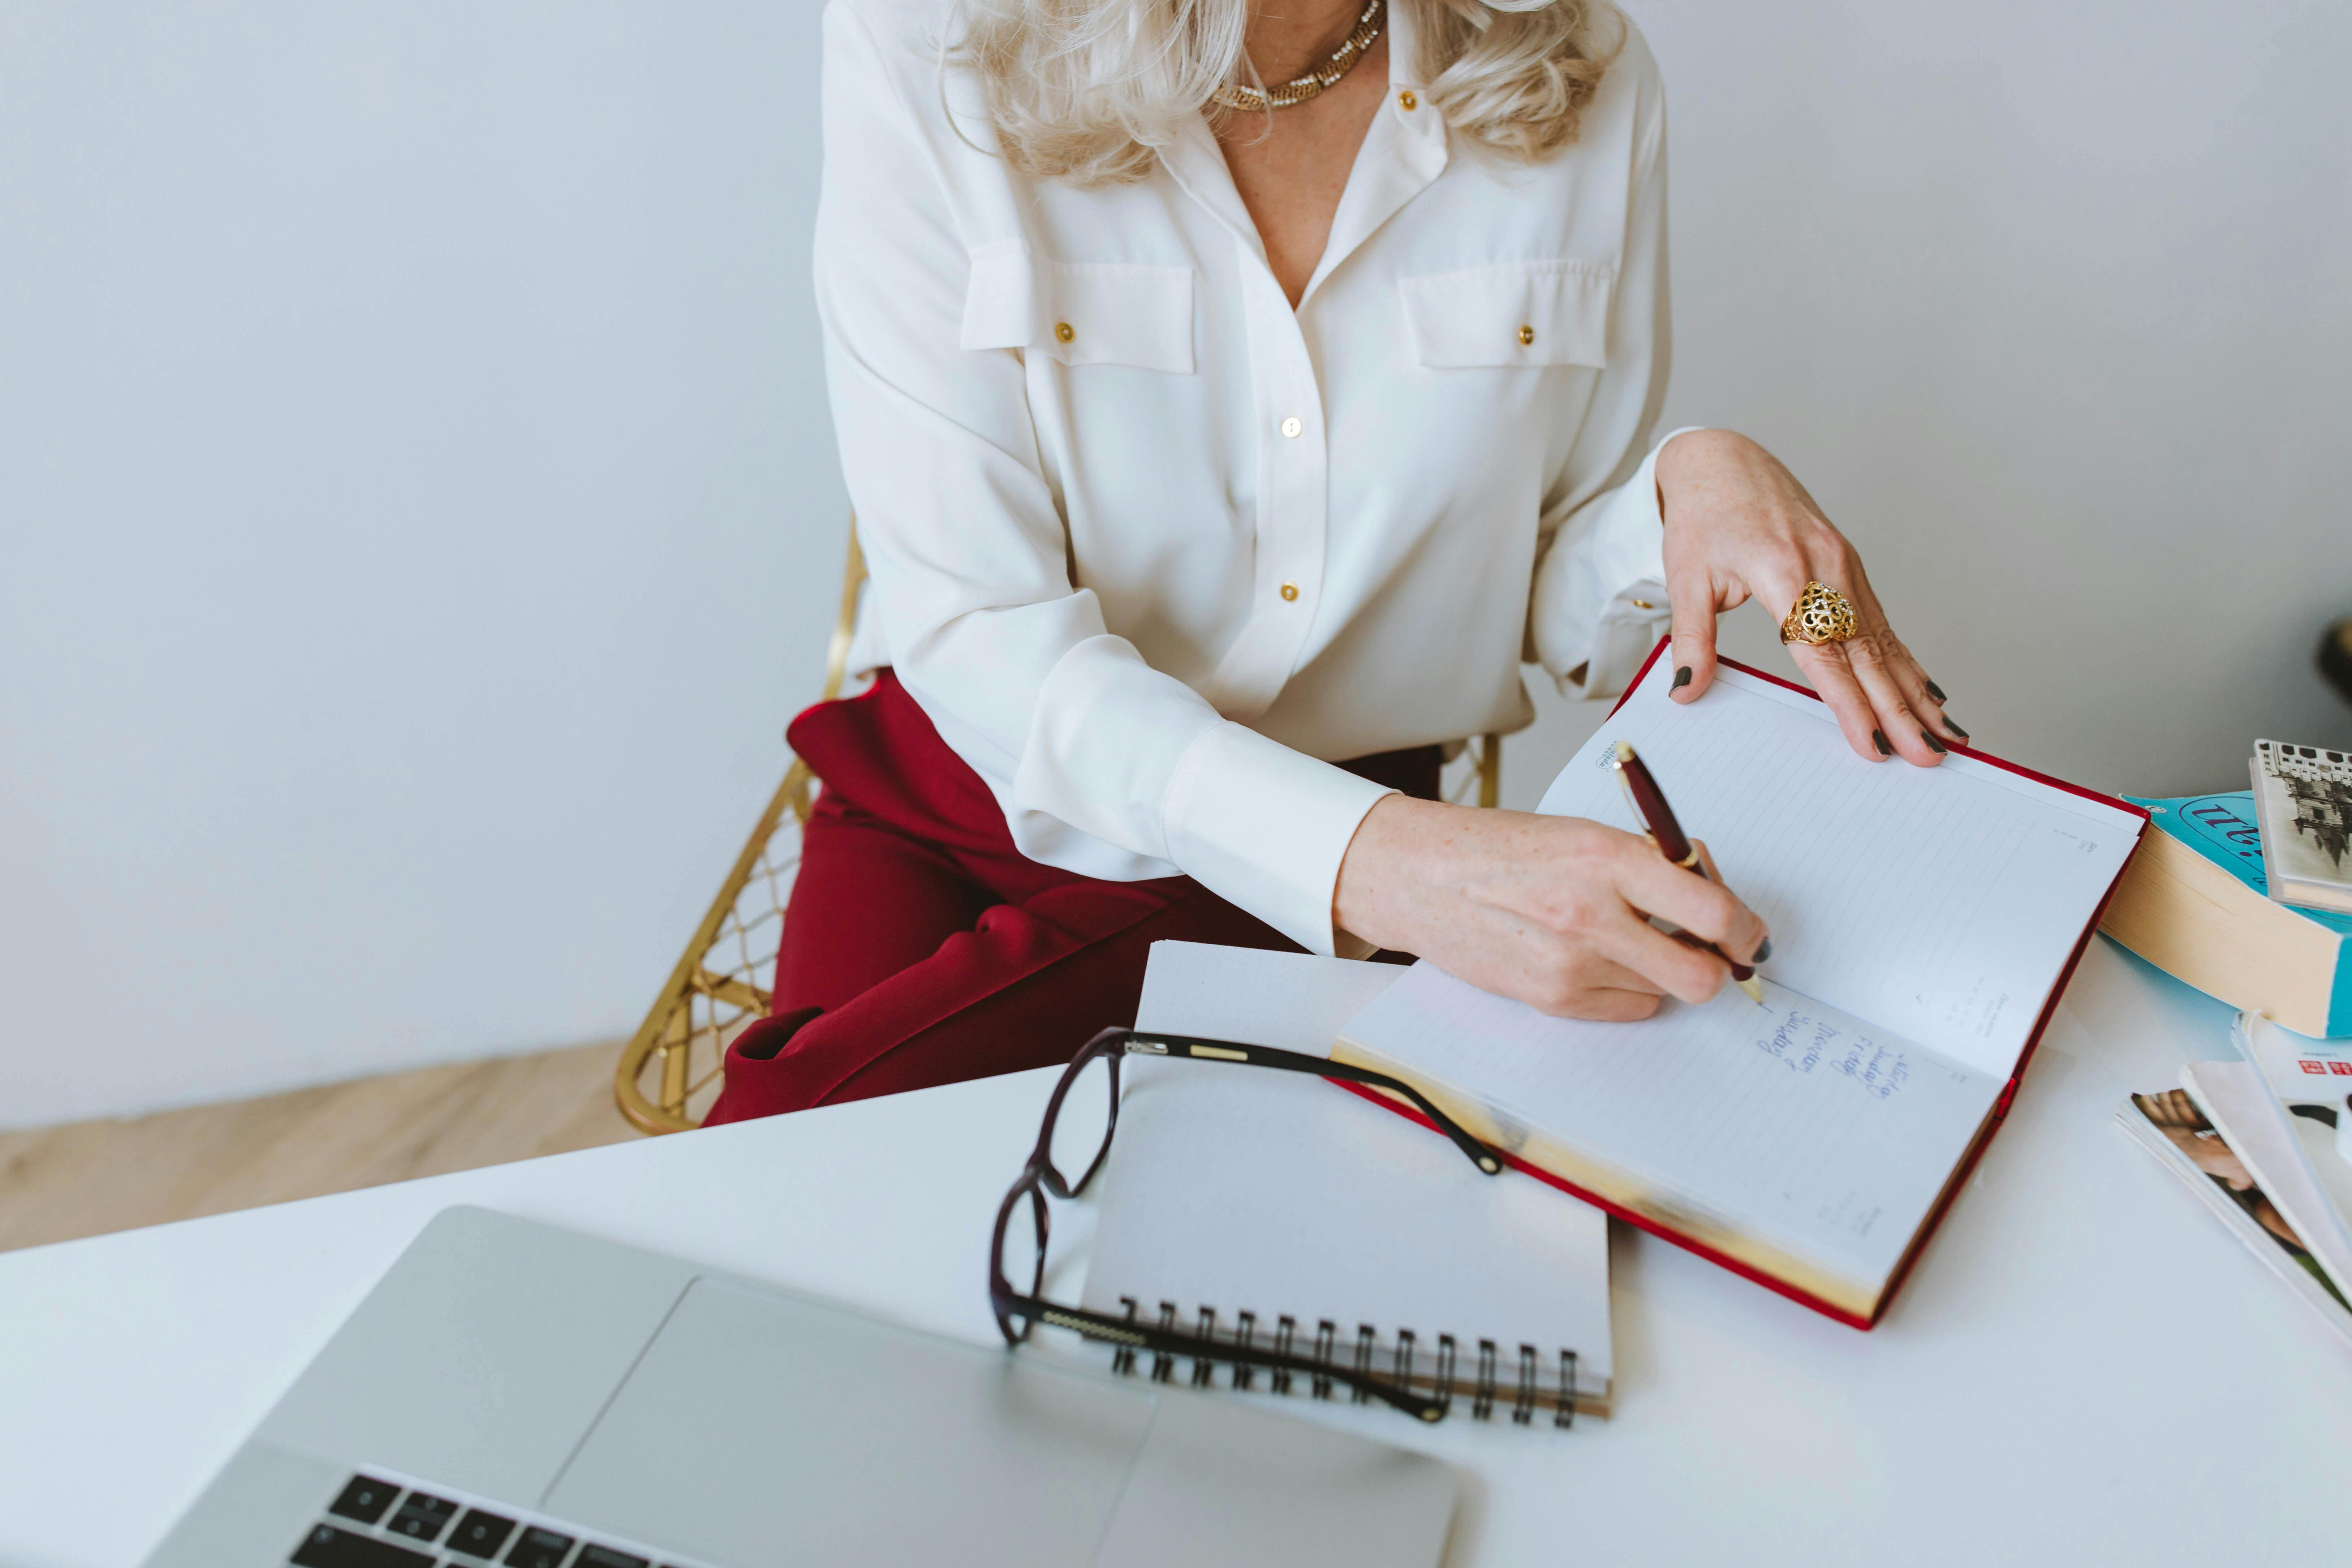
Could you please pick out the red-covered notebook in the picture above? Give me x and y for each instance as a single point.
(1923, 922)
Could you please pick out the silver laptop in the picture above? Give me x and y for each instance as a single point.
(511, 1393)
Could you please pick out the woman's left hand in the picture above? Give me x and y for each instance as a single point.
(1739, 526)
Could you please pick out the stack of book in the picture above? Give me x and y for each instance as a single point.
(2248, 895)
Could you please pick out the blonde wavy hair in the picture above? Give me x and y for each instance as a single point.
(1089, 90)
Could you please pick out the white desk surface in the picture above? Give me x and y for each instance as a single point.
(2084, 1368)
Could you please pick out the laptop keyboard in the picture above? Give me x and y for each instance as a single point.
(376, 1521)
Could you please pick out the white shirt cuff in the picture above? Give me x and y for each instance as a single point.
(1266, 827)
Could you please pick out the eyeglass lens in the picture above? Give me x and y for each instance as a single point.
(1021, 1252)
(1082, 1127)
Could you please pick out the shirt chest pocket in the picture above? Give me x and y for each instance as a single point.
(1081, 313)
(1514, 313)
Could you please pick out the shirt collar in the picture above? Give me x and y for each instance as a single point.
(1404, 152)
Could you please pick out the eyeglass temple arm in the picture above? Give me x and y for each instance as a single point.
(1479, 1155)
(1166, 1342)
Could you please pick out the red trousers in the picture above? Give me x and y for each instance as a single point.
(921, 948)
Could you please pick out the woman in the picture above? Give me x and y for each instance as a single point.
(1219, 453)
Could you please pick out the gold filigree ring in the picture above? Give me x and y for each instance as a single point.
(1821, 615)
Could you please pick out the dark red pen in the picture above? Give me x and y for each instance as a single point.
(1649, 802)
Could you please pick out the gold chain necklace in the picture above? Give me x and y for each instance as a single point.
(1239, 95)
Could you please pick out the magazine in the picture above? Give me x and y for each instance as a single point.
(2312, 1082)
(2170, 1126)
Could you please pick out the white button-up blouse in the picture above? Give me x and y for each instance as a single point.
(1151, 548)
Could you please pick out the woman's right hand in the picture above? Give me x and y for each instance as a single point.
(1553, 911)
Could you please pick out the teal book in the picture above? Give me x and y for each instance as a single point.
(2294, 964)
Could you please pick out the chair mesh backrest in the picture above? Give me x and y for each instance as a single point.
(670, 1071)
(739, 968)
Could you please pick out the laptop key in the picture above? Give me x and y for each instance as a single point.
(594, 1556)
(537, 1547)
(364, 1499)
(479, 1534)
(421, 1516)
(327, 1547)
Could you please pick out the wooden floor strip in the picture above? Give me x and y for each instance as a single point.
(90, 1177)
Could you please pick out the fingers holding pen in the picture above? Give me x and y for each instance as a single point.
(1554, 911)
(1763, 948)
(1700, 906)
(1610, 992)
(1685, 973)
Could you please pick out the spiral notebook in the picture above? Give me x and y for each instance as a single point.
(1245, 1202)
(1924, 923)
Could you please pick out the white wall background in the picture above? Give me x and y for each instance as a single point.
(2051, 308)
(418, 513)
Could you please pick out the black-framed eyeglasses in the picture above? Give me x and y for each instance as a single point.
(1076, 1137)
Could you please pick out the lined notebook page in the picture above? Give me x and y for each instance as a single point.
(1793, 1122)
(1242, 1189)
(1939, 903)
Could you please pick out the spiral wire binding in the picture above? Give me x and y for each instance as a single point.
(1162, 1361)
(1122, 1360)
(1526, 1393)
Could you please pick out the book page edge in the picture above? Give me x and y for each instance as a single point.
(1612, 1188)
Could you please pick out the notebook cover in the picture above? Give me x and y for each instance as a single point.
(1968, 1163)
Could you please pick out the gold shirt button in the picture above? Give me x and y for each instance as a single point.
(1292, 427)
(1644, 604)
(1290, 592)
(1406, 101)
(1064, 330)
(1526, 336)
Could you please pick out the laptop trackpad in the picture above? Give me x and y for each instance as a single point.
(762, 1428)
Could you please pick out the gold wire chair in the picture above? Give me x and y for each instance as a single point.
(670, 1070)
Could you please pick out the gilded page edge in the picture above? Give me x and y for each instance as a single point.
(1617, 1186)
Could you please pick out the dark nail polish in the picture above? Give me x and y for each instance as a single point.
(1878, 739)
(1936, 692)
(1682, 678)
(1763, 951)
(1933, 744)
(1955, 729)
